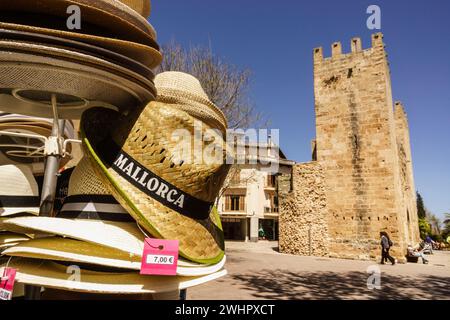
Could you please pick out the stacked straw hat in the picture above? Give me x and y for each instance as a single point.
(29, 150)
(94, 232)
(167, 191)
(19, 196)
(105, 61)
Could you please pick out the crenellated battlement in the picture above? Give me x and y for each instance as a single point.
(355, 45)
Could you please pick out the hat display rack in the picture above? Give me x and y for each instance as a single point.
(103, 76)
(50, 72)
(54, 148)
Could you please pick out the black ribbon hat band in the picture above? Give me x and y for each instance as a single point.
(19, 201)
(153, 185)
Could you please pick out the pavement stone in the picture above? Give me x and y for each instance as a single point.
(258, 271)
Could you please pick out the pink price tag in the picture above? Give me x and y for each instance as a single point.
(7, 283)
(160, 257)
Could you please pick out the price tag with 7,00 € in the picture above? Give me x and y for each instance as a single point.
(160, 257)
(7, 278)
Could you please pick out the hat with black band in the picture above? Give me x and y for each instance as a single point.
(168, 193)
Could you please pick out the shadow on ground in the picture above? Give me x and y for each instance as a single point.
(283, 284)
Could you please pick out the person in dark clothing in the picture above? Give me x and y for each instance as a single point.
(386, 244)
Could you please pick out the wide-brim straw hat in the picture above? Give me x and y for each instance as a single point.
(137, 160)
(93, 50)
(30, 78)
(19, 191)
(99, 17)
(69, 250)
(13, 119)
(9, 239)
(89, 214)
(70, 54)
(53, 275)
(144, 54)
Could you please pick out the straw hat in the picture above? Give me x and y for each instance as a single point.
(168, 195)
(78, 86)
(186, 93)
(144, 54)
(77, 56)
(89, 213)
(53, 275)
(9, 239)
(18, 190)
(64, 249)
(100, 17)
(78, 46)
(111, 235)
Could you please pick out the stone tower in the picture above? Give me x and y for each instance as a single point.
(362, 145)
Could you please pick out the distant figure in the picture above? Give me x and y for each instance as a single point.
(262, 234)
(386, 244)
(429, 243)
(414, 252)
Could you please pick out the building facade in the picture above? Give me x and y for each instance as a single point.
(249, 205)
(361, 179)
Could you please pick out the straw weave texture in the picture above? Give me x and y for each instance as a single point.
(140, 135)
(186, 93)
(145, 54)
(85, 181)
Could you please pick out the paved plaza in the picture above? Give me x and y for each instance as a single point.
(258, 271)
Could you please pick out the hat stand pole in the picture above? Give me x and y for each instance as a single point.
(53, 156)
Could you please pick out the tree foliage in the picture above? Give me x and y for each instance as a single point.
(225, 84)
(424, 228)
(420, 206)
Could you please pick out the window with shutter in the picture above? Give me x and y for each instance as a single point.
(241, 203)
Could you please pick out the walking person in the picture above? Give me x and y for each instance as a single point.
(386, 244)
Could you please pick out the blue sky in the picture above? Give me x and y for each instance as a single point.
(275, 40)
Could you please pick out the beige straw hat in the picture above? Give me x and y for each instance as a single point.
(78, 57)
(108, 18)
(57, 276)
(82, 47)
(69, 250)
(8, 239)
(185, 92)
(169, 195)
(108, 234)
(18, 190)
(89, 213)
(29, 78)
(144, 54)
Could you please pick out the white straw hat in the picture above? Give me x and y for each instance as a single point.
(56, 276)
(64, 249)
(90, 214)
(19, 191)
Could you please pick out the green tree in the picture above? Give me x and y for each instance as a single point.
(424, 228)
(420, 206)
(446, 231)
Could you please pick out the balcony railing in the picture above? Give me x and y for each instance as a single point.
(271, 210)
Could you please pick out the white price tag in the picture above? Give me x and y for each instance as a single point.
(160, 259)
(5, 294)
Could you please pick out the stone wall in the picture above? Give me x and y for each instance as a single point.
(409, 216)
(356, 144)
(303, 213)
